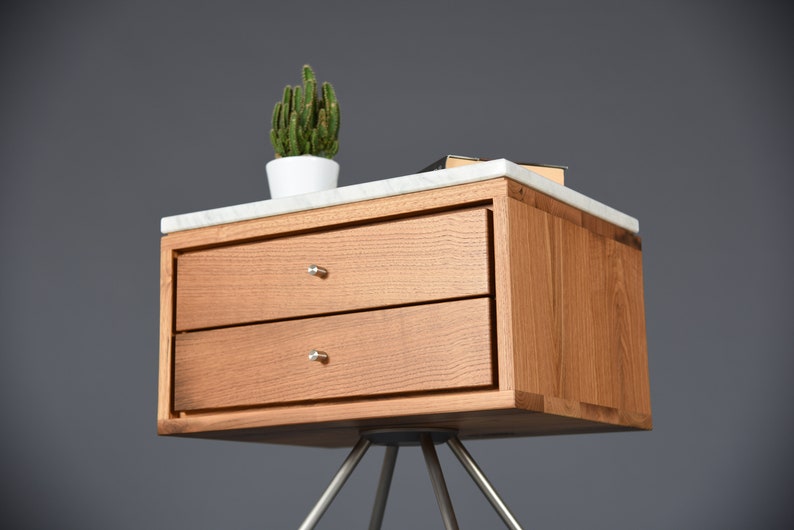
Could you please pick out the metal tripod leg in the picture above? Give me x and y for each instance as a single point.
(392, 438)
(336, 484)
(386, 473)
(485, 486)
(439, 486)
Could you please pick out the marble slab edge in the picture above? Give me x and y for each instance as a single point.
(398, 186)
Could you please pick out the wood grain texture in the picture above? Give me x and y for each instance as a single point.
(411, 349)
(414, 260)
(604, 338)
(576, 310)
(528, 253)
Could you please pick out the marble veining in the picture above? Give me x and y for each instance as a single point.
(398, 186)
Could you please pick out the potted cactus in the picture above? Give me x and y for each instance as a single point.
(305, 137)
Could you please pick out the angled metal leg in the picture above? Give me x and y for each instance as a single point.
(386, 473)
(393, 438)
(439, 486)
(336, 484)
(478, 477)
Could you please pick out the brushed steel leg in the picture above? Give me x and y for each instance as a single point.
(386, 473)
(439, 486)
(336, 484)
(393, 439)
(477, 475)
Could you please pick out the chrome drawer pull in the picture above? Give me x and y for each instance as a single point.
(314, 270)
(318, 356)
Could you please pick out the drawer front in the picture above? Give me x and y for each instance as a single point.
(410, 349)
(386, 264)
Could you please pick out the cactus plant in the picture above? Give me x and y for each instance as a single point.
(302, 124)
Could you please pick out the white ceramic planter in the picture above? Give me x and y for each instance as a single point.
(295, 175)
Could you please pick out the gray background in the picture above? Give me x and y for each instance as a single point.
(115, 114)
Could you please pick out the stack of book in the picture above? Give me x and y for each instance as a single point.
(551, 172)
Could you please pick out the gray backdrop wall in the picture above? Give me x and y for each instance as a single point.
(115, 114)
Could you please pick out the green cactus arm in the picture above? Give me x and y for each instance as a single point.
(294, 141)
(277, 146)
(315, 141)
(297, 98)
(277, 131)
(299, 138)
(280, 146)
(284, 140)
(310, 89)
(319, 134)
(308, 105)
(274, 119)
(332, 106)
(322, 125)
(286, 102)
(308, 74)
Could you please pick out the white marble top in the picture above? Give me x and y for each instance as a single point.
(397, 186)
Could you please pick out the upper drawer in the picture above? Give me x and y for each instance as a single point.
(391, 263)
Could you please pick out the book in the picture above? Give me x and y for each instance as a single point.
(551, 172)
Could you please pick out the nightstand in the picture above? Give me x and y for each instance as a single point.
(482, 301)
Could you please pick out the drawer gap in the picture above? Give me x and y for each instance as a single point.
(353, 311)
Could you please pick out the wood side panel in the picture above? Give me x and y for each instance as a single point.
(536, 354)
(412, 349)
(604, 350)
(603, 339)
(543, 202)
(577, 327)
(561, 210)
(164, 390)
(503, 290)
(627, 298)
(401, 262)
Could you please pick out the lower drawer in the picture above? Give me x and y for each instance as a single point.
(421, 348)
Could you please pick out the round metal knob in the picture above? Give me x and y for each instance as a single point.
(318, 356)
(314, 270)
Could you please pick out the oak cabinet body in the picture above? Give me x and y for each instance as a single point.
(487, 307)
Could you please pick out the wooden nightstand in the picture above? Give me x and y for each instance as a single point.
(487, 307)
(487, 301)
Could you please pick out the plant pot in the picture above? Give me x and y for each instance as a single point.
(295, 175)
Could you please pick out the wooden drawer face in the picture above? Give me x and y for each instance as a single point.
(391, 263)
(428, 347)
